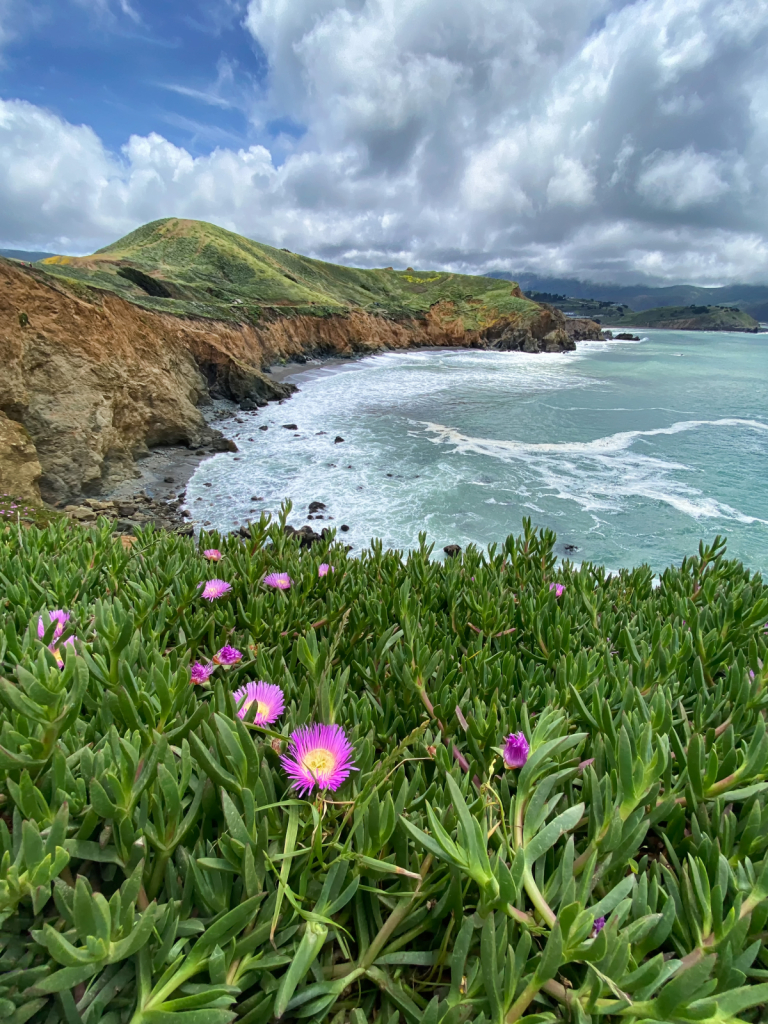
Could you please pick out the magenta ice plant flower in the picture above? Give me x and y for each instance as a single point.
(267, 699)
(215, 588)
(212, 554)
(278, 580)
(323, 569)
(598, 926)
(59, 617)
(199, 673)
(58, 653)
(318, 755)
(558, 588)
(516, 750)
(227, 656)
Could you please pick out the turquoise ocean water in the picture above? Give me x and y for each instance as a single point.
(630, 451)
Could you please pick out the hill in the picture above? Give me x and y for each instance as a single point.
(684, 318)
(27, 255)
(614, 314)
(194, 268)
(750, 298)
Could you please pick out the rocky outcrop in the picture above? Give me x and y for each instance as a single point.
(96, 381)
(546, 334)
(20, 468)
(583, 329)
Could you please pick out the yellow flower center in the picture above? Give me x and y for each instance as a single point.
(262, 708)
(319, 762)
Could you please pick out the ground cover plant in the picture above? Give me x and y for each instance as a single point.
(242, 780)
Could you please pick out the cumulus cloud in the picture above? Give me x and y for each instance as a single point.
(608, 139)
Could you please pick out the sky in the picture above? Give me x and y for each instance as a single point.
(602, 139)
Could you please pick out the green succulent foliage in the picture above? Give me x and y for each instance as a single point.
(156, 868)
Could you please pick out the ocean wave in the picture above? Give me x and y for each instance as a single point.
(601, 475)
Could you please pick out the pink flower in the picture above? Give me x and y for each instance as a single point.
(199, 673)
(227, 656)
(268, 698)
(278, 580)
(323, 569)
(516, 750)
(215, 588)
(58, 616)
(212, 554)
(558, 588)
(318, 755)
(56, 651)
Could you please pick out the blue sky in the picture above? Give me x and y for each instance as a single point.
(617, 140)
(187, 69)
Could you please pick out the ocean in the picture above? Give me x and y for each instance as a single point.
(630, 451)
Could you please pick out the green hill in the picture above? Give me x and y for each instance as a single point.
(686, 318)
(193, 268)
(691, 317)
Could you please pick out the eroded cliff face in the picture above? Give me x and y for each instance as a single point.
(95, 381)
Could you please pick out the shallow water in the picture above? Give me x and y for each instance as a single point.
(630, 451)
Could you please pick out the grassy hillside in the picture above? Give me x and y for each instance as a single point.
(750, 298)
(191, 267)
(690, 317)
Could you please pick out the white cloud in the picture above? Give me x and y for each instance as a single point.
(602, 138)
(677, 180)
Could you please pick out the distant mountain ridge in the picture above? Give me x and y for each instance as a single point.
(27, 255)
(751, 298)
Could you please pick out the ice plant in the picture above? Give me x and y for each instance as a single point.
(558, 588)
(212, 554)
(216, 588)
(227, 656)
(598, 926)
(278, 580)
(516, 750)
(268, 699)
(57, 615)
(199, 673)
(323, 569)
(318, 755)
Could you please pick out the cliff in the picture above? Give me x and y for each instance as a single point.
(93, 379)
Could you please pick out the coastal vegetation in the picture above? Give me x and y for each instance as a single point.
(492, 789)
(192, 267)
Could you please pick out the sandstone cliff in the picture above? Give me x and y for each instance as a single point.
(91, 381)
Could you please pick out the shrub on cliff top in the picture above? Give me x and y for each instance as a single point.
(165, 860)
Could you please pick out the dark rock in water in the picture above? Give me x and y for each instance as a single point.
(452, 550)
(207, 485)
(338, 439)
(569, 548)
(223, 444)
(265, 427)
(344, 528)
(319, 433)
(167, 479)
(256, 498)
(315, 506)
(290, 426)
(248, 405)
(627, 337)
(307, 536)
(245, 531)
